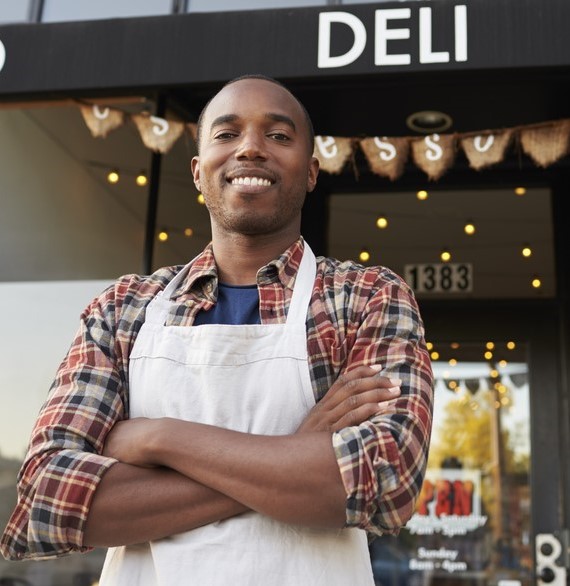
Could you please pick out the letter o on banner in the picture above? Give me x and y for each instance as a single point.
(2, 55)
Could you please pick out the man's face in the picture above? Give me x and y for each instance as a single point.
(255, 164)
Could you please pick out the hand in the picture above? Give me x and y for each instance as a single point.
(127, 441)
(352, 399)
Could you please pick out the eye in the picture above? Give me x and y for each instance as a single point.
(279, 136)
(225, 135)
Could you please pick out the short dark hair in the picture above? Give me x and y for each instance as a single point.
(308, 120)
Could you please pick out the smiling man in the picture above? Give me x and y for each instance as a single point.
(253, 416)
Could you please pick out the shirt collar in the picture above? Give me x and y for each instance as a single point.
(203, 273)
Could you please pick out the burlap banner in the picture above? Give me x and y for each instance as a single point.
(546, 144)
(333, 152)
(158, 134)
(484, 150)
(386, 156)
(434, 154)
(101, 120)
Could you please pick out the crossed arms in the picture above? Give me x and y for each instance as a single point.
(174, 475)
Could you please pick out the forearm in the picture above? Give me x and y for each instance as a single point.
(134, 505)
(293, 479)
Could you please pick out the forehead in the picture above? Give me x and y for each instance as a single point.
(250, 98)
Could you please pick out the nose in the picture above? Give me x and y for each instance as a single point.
(251, 147)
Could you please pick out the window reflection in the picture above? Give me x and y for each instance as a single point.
(472, 520)
(42, 320)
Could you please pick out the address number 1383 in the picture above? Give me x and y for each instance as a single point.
(440, 278)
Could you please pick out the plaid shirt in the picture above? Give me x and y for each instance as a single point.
(358, 316)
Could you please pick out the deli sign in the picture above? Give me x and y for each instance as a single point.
(390, 26)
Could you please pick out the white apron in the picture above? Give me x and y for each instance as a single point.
(249, 378)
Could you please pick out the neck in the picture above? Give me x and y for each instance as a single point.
(239, 257)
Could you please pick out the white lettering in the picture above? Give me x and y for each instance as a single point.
(387, 150)
(100, 114)
(434, 152)
(327, 146)
(324, 50)
(421, 565)
(442, 553)
(426, 53)
(160, 127)
(384, 34)
(454, 566)
(460, 33)
(2, 55)
(483, 147)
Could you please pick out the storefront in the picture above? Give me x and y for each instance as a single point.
(495, 506)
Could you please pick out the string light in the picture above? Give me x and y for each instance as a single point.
(364, 255)
(422, 195)
(113, 176)
(445, 255)
(536, 282)
(434, 355)
(490, 345)
(469, 228)
(188, 232)
(520, 190)
(200, 199)
(163, 235)
(511, 345)
(526, 250)
(382, 222)
(141, 179)
(488, 355)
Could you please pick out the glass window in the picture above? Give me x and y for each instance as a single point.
(40, 317)
(15, 11)
(472, 520)
(64, 10)
(61, 219)
(229, 5)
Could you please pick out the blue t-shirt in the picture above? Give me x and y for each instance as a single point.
(236, 305)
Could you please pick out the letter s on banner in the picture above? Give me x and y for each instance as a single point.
(2, 55)
(324, 59)
(434, 152)
(387, 151)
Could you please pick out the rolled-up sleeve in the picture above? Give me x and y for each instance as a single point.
(63, 465)
(382, 461)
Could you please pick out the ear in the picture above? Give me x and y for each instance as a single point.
(195, 167)
(313, 174)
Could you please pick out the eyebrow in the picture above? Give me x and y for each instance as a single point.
(227, 118)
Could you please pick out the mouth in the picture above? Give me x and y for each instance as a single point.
(251, 180)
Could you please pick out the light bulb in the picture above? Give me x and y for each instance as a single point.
(364, 255)
(422, 194)
(113, 176)
(163, 235)
(382, 222)
(141, 179)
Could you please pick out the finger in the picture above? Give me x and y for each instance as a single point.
(354, 384)
(372, 398)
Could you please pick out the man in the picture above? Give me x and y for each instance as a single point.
(261, 444)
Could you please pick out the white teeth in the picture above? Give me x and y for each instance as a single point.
(251, 181)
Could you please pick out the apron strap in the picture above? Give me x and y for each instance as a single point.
(303, 288)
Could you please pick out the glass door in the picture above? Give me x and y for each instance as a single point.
(472, 523)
